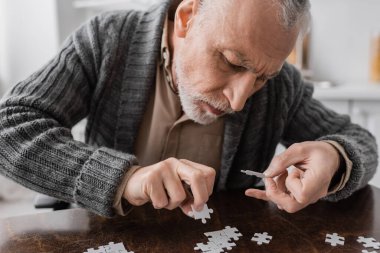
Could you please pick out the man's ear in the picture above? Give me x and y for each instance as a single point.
(184, 17)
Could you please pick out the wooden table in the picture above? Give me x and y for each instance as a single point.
(149, 230)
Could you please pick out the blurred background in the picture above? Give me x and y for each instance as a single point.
(340, 55)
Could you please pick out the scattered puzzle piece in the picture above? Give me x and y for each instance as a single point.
(209, 247)
(219, 233)
(366, 251)
(116, 248)
(110, 248)
(232, 233)
(99, 250)
(261, 238)
(202, 215)
(222, 242)
(369, 242)
(334, 239)
(219, 240)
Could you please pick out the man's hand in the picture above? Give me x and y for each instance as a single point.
(163, 185)
(315, 164)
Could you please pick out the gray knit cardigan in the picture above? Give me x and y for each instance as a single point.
(106, 72)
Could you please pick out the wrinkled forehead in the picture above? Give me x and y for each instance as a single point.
(243, 23)
(242, 16)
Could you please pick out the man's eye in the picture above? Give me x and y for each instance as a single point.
(237, 68)
(234, 67)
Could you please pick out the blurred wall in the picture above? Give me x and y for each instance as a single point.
(2, 46)
(29, 37)
(68, 18)
(340, 40)
(31, 33)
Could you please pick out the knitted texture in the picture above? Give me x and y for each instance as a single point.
(86, 79)
(106, 72)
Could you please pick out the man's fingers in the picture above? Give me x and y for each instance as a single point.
(174, 189)
(270, 185)
(296, 153)
(275, 193)
(198, 184)
(304, 187)
(186, 205)
(258, 194)
(158, 195)
(165, 184)
(282, 199)
(280, 180)
(295, 185)
(200, 193)
(209, 173)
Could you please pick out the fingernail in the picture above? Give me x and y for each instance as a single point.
(199, 208)
(268, 172)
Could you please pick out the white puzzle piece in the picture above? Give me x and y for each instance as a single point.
(116, 248)
(209, 247)
(219, 233)
(222, 243)
(334, 239)
(228, 232)
(369, 242)
(202, 215)
(261, 238)
(232, 233)
(99, 250)
(219, 240)
(366, 251)
(253, 173)
(110, 248)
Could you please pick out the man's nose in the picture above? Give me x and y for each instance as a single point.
(239, 90)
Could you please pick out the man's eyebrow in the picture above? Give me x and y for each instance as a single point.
(247, 64)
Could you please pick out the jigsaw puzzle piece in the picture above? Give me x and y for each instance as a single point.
(369, 242)
(116, 248)
(209, 247)
(232, 232)
(101, 249)
(202, 215)
(261, 238)
(334, 239)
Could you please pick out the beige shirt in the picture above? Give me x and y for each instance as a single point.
(167, 132)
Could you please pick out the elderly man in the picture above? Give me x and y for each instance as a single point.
(184, 95)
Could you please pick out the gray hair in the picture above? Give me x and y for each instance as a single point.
(291, 13)
(294, 12)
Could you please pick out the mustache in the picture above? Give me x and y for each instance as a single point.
(219, 104)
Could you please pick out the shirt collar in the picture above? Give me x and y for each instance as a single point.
(165, 59)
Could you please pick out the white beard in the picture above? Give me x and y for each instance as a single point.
(189, 99)
(192, 110)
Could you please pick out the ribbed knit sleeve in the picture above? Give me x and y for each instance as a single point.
(36, 146)
(308, 119)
